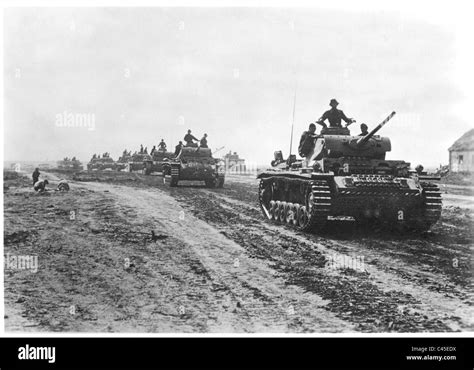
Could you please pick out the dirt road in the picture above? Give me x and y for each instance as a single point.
(215, 265)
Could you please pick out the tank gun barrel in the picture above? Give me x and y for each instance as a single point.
(367, 137)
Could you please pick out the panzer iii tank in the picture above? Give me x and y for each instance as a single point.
(346, 175)
(159, 162)
(197, 164)
(122, 163)
(137, 162)
(101, 164)
(69, 165)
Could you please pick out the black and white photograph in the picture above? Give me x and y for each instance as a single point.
(238, 170)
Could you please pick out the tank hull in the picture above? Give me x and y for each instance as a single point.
(386, 199)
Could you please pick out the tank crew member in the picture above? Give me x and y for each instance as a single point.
(419, 169)
(146, 150)
(35, 175)
(203, 142)
(41, 185)
(189, 138)
(141, 148)
(364, 130)
(178, 148)
(162, 146)
(334, 115)
(153, 149)
(306, 142)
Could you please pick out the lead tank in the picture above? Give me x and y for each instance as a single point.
(346, 175)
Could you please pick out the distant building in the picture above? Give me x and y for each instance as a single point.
(461, 153)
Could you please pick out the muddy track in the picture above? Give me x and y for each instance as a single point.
(409, 282)
(216, 265)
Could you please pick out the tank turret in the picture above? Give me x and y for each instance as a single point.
(342, 151)
(364, 139)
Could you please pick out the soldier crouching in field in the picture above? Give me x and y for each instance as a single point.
(40, 186)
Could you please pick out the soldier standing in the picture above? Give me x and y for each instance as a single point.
(305, 142)
(35, 175)
(203, 141)
(178, 148)
(334, 115)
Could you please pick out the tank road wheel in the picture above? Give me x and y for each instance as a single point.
(430, 209)
(289, 213)
(283, 210)
(296, 208)
(302, 217)
(318, 205)
(272, 210)
(277, 211)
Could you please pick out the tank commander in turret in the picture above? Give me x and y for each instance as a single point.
(162, 146)
(189, 138)
(203, 142)
(306, 142)
(334, 116)
(153, 150)
(364, 130)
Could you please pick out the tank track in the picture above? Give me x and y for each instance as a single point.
(310, 215)
(432, 205)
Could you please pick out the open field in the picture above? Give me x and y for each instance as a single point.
(214, 264)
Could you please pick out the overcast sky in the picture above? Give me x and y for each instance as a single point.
(151, 73)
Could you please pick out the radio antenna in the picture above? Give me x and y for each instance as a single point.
(293, 122)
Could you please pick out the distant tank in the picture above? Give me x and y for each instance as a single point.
(69, 165)
(160, 161)
(137, 162)
(346, 175)
(122, 163)
(102, 164)
(197, 164)
(233, 163)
